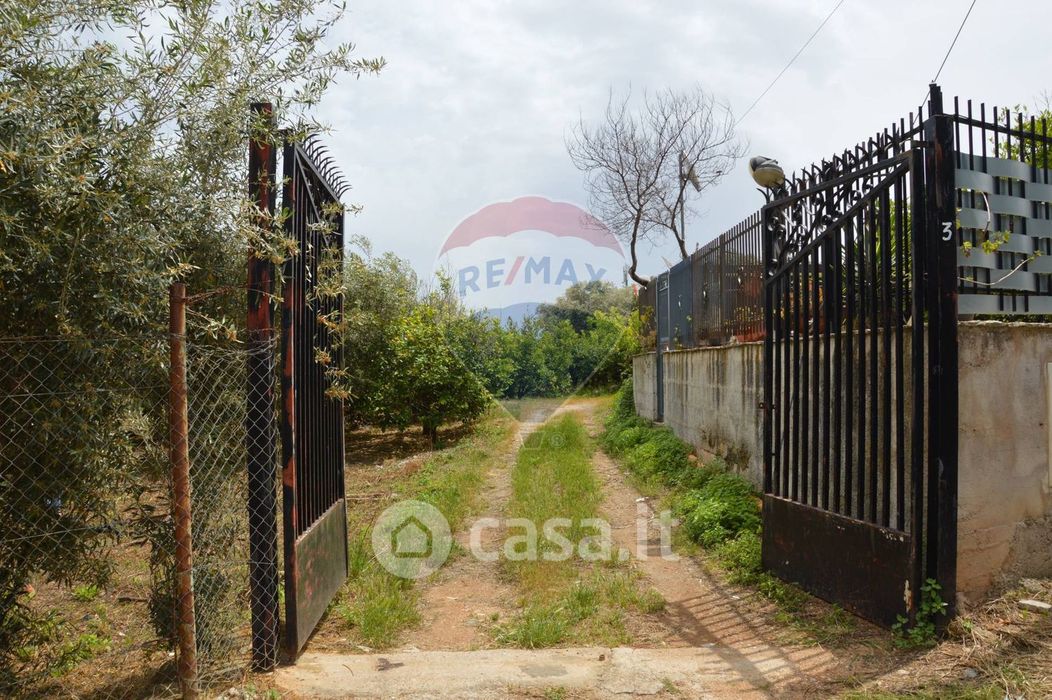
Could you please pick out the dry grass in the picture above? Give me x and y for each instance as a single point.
(998, 650)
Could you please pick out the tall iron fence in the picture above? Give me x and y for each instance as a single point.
(714, 296)
(1003, 229)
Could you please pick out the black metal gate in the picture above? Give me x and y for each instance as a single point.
(315, 519)
(860, 375)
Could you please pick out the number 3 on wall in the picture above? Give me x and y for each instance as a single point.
(947, 230)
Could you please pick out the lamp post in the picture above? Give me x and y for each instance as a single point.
(768, 175)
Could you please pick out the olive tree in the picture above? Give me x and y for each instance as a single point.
(123, 128)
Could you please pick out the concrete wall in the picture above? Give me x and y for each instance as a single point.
(1004, 527)
(711, 401)
(644, 385)
(1005, 503)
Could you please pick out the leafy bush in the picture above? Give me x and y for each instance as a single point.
(741, 557)
(427, 384)
(714, 505)
(661, 455)
(718, 511)
(624, 405)
(698, 475)
(123, 169)
(628, 438)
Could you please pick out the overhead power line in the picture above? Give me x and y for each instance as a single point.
(949, 50)
(791, 61)
(954, 42)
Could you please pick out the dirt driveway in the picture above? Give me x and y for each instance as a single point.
(713, 640)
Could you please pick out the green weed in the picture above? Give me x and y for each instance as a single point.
(723, 508)
(383, 605)
(922, 633)
(582, 601)
(84, 647)
(536, 627)
(86, 594)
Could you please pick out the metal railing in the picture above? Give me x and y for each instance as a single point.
(714, 297)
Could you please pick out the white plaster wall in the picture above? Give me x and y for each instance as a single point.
(712, 398)
(711, 401)
(644, 385)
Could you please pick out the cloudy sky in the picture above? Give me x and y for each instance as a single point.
(478, 95)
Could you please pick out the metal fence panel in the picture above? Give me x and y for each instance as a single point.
(680, 303)
(1004, 219)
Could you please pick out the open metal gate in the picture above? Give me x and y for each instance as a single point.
(860, 375)
(314, 510)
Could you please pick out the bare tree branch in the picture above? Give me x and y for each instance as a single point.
(637, 163)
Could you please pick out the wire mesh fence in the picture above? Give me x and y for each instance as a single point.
(218, 497)
(88, 591)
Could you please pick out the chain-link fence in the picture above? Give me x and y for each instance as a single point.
(88, 588)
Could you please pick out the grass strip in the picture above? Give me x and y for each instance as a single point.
(566, 599)
(377, 606)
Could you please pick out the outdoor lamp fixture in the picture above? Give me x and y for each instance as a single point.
(771, 178)
(767, 174)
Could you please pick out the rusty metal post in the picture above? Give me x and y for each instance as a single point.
(179, 455)
(259, 418)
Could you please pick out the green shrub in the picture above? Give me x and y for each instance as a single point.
(661, 454)
(741, 557)
(724, 507)
(696, 475)
(624, 402)
(628, 437)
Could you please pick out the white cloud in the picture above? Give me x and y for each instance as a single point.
(478, 94)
